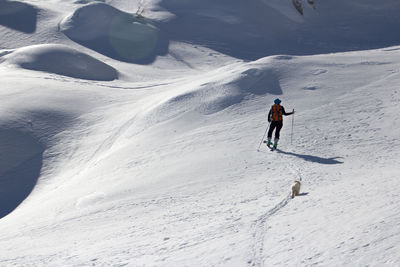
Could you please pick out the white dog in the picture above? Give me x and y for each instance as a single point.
(295, 188)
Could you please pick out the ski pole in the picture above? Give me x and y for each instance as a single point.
(258, 149)
(291, 135)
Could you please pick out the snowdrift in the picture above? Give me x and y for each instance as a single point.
(114, 33)
(220, 89)
(18, 16)
(20, 167)
(161, 167)
(60, 59)
(29, 134)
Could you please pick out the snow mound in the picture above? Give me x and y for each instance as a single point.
(60, 59)
(18, 16)
(114, 33)
(19, 168)
(220, 89)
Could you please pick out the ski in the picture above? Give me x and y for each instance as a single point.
(268, 145)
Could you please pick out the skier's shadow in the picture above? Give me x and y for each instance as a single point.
(333, 160)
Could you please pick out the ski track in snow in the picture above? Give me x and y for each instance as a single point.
(149, 163)
(260, 230)
(260, 225)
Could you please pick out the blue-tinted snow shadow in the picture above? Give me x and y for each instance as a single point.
(311, 158)
(18, 16)
(21, 158)
(235, 28)
(119, 35)
(22, 149)
(251, 30)
(143, 53)
(260, 82)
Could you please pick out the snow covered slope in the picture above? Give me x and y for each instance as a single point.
(150, 157)
(47, 58)
(267, 27)
(114, 33)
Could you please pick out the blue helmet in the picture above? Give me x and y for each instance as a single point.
(277, 101)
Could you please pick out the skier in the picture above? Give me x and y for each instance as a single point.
(276, 120)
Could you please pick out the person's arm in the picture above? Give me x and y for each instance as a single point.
(270, 115)
(285, 113)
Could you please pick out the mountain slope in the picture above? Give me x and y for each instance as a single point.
(156, 163)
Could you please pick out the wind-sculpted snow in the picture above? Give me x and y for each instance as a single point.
(254, 29)
(18, 16)
(24, 140)
(260, 81)
(160, 167)
(61, 60)
(219, 93)
(114, 33)
(20, 165)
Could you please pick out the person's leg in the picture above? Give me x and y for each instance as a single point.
(277, 133)
(278, 129)
(271, 129)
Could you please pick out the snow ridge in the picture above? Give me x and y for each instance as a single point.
(62, 60)
(132, 138)
(116, 34)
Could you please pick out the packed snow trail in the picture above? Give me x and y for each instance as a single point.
(261, 230)
(289, 172)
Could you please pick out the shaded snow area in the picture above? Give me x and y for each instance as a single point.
(114, 33)
(18, 16)
(60, 59)
(131, 133)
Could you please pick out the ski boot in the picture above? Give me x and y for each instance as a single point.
(269, 143)
(275, 144)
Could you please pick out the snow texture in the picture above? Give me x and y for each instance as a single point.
(18, 16)
(133, 140)
(114, 33)
(60, 59)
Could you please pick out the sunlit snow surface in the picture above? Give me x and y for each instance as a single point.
(139, 146)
